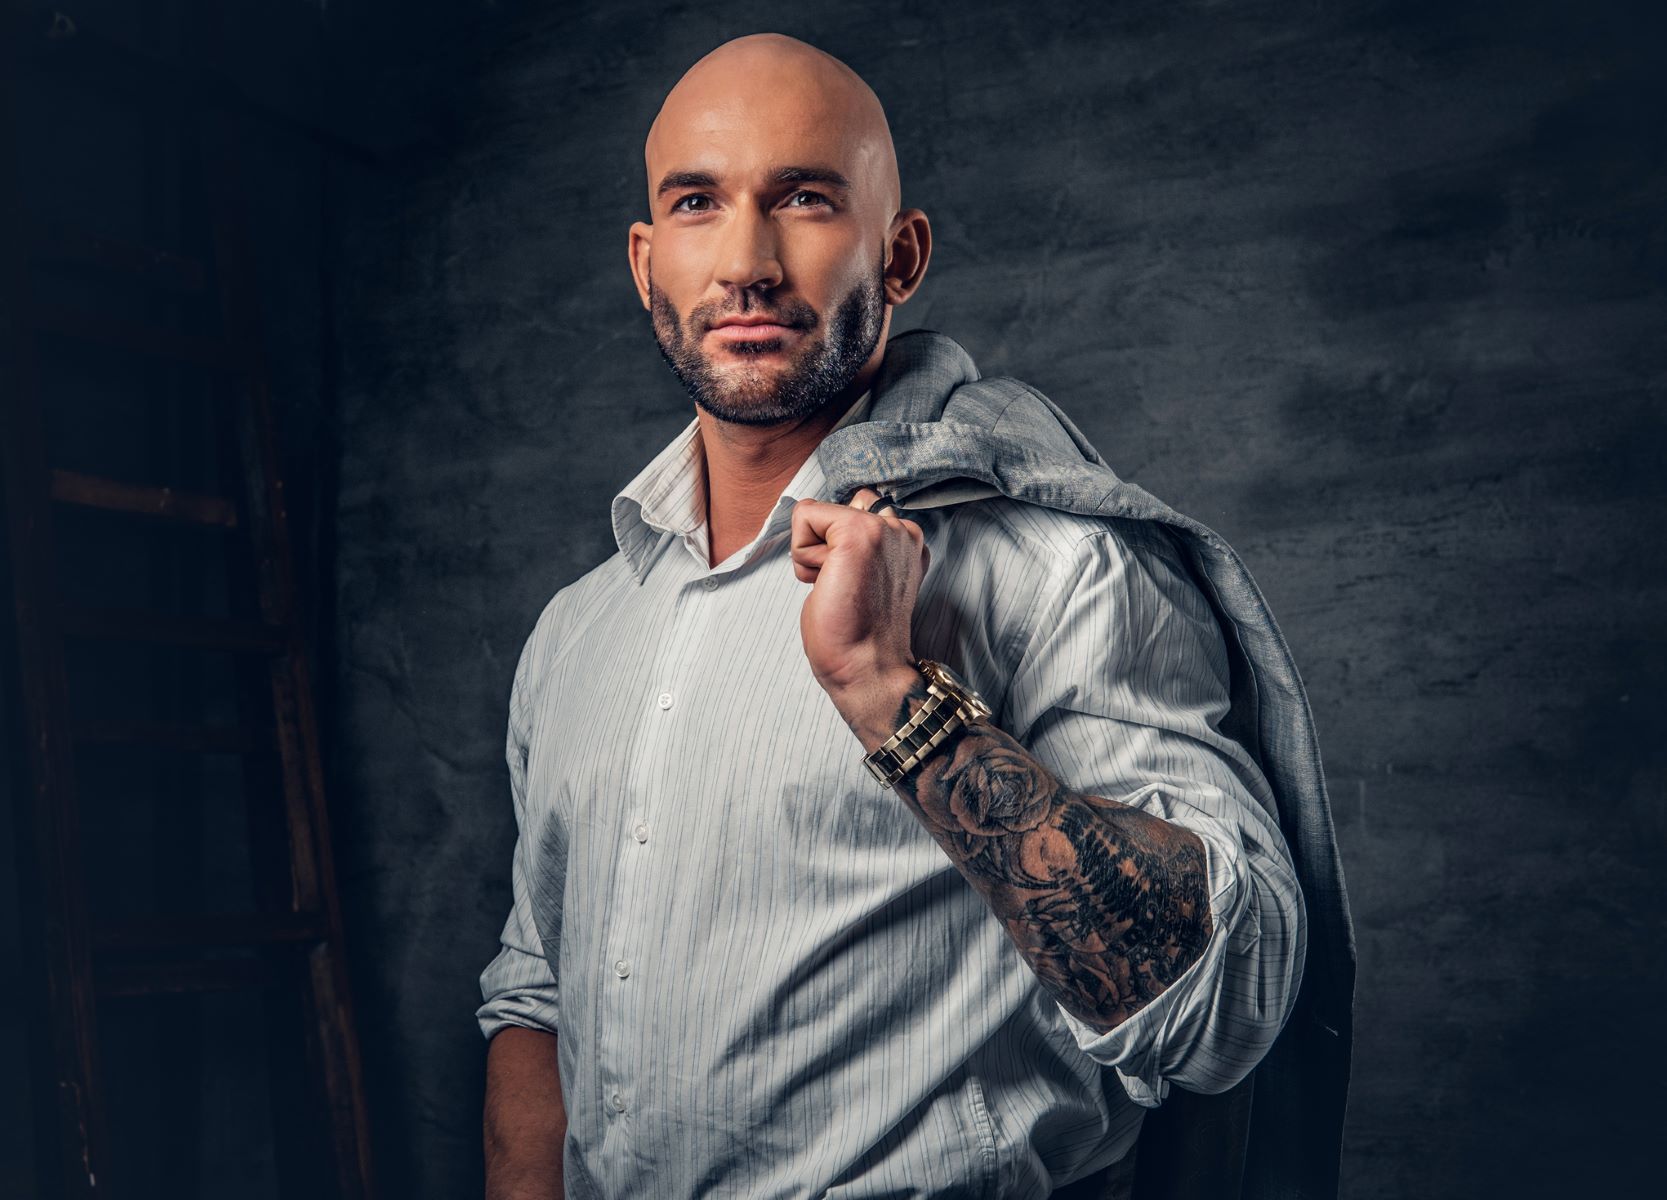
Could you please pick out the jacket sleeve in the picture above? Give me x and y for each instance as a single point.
(519, 985)
(1121, 692)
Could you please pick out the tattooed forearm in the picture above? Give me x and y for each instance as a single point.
(1108, 904)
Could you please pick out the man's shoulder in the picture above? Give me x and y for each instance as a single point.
(1050, 539)
(576, 603)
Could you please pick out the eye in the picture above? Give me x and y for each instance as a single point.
(818, 196)
(678, 207)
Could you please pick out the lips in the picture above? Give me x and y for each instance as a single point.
(752, 327)
(752, 333)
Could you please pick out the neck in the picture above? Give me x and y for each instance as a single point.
(748, 465)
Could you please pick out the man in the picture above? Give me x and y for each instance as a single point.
(735, 963)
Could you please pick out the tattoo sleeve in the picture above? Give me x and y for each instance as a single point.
(1107, 903)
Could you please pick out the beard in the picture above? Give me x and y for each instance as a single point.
(754, 395)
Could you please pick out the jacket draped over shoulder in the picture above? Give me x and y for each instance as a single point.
(939, 434)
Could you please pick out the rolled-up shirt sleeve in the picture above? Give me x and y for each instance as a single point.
(519, 985)
(1121, 692)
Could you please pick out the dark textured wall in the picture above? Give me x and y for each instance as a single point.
(1375, 289)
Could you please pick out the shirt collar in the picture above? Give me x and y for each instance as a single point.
(667, 498)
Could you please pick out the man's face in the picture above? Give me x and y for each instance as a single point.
(769, 204)
(762, 375)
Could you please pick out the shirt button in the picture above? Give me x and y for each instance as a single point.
(665, 699)
(709, 583)
(622, 968)
(640, 831)
(618, 1102)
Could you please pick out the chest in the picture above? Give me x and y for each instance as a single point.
(681, 727)
(686, 712)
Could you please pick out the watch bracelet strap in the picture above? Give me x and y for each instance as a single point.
(916, 738)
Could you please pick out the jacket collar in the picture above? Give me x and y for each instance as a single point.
(940, 433)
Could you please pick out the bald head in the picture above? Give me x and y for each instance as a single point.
(774, 202)
(783, 97)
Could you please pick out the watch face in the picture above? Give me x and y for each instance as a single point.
(956, 681)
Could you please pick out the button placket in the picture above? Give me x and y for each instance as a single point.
(617, 1013)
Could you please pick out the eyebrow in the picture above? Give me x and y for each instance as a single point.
(686, 179)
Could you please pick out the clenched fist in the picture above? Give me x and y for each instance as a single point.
(865, 571)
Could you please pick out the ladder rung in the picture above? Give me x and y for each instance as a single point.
(53, 244)
(206, 739)
(153, 340)
(212, 633)
(175, 978)
(90, 491)
(166, 933)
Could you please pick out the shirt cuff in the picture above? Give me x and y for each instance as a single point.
(518, 989)
(1142, 1048)
(530, 1010)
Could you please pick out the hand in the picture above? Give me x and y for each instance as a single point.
(865, 570)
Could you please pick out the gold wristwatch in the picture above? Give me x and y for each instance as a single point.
(950, 704)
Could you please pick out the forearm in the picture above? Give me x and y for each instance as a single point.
(1108, 904)
(525, 1121)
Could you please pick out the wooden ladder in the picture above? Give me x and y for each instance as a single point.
(281, 955)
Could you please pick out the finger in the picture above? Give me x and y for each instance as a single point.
(811, 556)
(866, 498)
(803, 534)
(862, 498)
(819, 521)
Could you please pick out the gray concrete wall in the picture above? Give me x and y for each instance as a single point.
(1375, 289)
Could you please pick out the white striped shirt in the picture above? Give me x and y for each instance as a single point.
(768, 979)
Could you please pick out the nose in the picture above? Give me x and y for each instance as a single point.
(747, 251)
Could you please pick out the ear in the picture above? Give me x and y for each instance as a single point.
(908, 248)
(641, 236)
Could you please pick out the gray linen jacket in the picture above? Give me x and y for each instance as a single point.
(936, 434)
